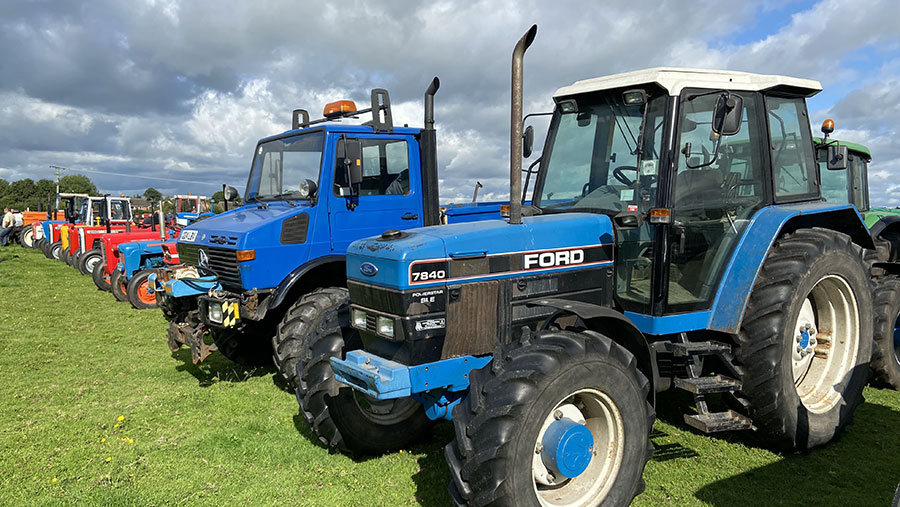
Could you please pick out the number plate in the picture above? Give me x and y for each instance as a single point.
(188, 236)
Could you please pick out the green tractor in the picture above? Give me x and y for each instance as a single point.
(844, 173)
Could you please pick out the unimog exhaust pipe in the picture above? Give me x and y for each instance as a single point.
(430, 207)
(515, 135)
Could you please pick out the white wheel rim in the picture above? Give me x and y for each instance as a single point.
(821, 370)
(603, 419)
(28, 238)
(90, 263)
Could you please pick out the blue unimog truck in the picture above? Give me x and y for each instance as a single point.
(258, 278)
(676, 239)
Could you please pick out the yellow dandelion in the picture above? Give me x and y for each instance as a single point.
(102, 440)
(115, 425)
(53, 479)
(108, 459)
(130, 440)
(120, 418)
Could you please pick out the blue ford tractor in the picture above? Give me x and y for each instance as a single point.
(676, 239)
(256, 279)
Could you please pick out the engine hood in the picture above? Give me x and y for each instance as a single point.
(432, 256)
(230, 229)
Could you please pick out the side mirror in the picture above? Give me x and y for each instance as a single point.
(837, 157)
(353, 161)
(230, 193)
(727, 115)
(527, 141)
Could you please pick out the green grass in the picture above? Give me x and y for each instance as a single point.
(73, 360)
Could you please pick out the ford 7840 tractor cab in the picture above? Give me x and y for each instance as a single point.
(677, 238)
(258, 277)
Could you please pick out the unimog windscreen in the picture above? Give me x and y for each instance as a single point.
(282, 165)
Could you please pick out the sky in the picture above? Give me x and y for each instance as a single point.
(175, 95)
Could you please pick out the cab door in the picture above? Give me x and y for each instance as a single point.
(389, 196)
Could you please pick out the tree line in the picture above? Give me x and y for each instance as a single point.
(37, 195)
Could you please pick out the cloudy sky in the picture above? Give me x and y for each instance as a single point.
(126, 91)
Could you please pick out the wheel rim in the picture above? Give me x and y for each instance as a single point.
(385, 412)
(90, 263)
(825, 344)
(601, 416)
(144, 295)
(28, 238)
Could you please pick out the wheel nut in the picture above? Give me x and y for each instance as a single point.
(799, 349)
(558, 414)
(539, 449)
(799, 338)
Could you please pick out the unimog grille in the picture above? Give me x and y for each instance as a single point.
(221, 261)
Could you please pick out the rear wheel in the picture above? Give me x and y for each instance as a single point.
(88, 260)
(340, 416)
(251, 346)
(117, 285)
(886, 351)
(561, 419)
(138, 291)
(101, 276)
(805, 342)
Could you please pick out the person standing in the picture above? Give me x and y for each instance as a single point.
(6, 226)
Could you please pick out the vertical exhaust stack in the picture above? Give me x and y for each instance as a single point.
(515, 136)
(428, 142)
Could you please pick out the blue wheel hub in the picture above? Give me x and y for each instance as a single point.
(804, 339)
(568, 447)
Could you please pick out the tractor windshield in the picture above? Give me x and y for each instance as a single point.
(601, 157)
(280, 166)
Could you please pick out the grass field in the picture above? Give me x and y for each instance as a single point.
(96, 410)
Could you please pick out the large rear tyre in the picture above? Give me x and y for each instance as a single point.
(886, 350)
(299, 321)
(805, 341)
(117, 285)
(561, 418)
(101, 276)
(54, 250)
(88, 260)
(340, 417)
(138, 291)
(251, 346)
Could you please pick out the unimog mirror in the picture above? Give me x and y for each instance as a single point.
(837, 157)
(727, 114)
(527, 141)
(353, 161)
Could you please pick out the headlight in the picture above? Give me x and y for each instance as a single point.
(359, 318)
(215, 312)
(385, 326)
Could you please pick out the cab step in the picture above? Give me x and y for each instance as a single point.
(714, 422)
(707, 385)
(686, 349)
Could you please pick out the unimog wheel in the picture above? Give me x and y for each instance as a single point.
(886, 350)
(251, 346)
(138, 290)
(88, 260)
(299, 321)
(341, 417)
(55, 249)
(560, 418)
(117, 285)
(26, 237)
(101, 276)
(806, 339)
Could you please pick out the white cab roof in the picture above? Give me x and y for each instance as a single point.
(674, 80)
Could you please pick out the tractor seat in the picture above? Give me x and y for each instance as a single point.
(699, 188)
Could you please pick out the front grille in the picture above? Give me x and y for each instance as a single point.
(222, 261)
(223, 240)
(371, 322)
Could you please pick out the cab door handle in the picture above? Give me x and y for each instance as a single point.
(410, 216)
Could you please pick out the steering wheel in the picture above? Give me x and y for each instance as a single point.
(620, 176)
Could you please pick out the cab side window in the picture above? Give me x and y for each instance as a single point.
(793, 162)
(385, 167)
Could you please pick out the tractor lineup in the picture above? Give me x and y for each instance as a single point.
(686, 232)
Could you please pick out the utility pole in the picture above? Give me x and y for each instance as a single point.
(58, 170)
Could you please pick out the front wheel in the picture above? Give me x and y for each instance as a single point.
(26, 237)
(138, 291)
(886, 351)
(88, 260)
(101, 276)
(561, 419)
(251, 346)
(118, 286)
(341, 417)
(806, 339)
(54, 250)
